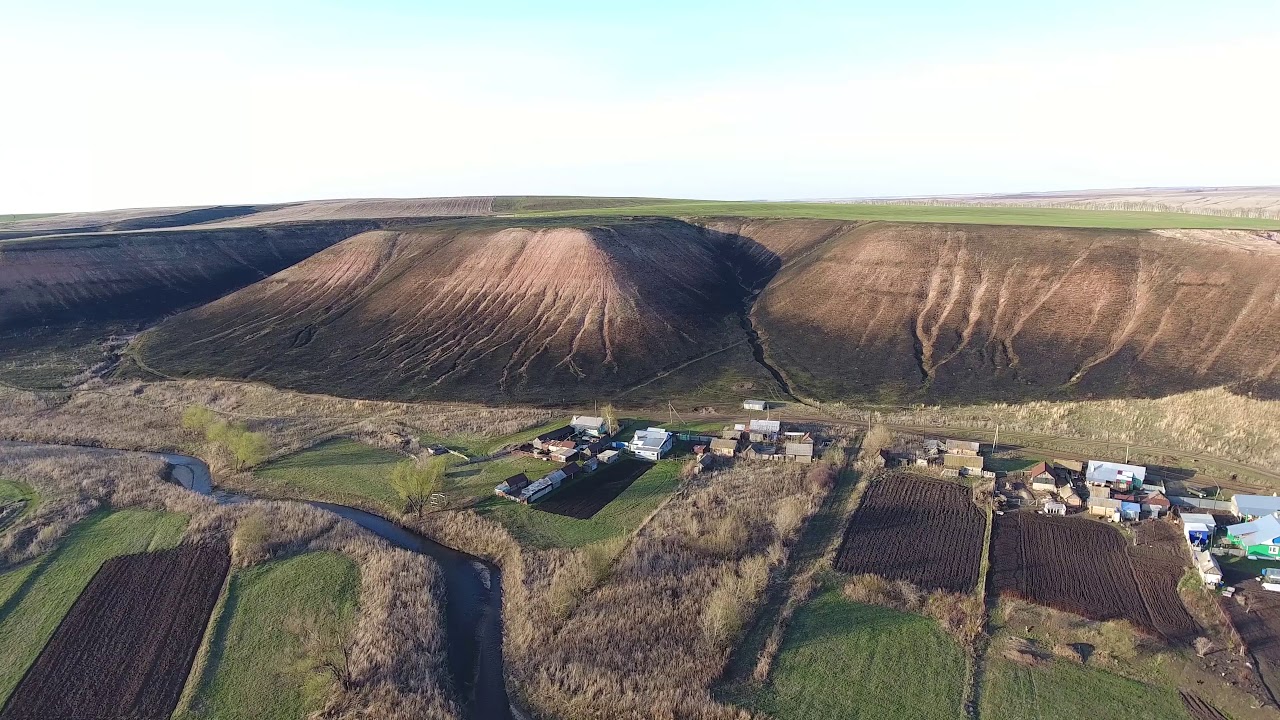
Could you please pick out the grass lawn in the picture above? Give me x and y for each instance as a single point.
(1067, 691)
(37, 595)
(543, 529)
(1047, 217)
(335, 470)
(258, 666)
(842, 659)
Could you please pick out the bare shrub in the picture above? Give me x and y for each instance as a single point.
(1203, 646)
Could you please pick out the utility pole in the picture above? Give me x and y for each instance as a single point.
(996, 442)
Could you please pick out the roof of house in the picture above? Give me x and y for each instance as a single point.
(800, 449)
(1103, 471)
(728, 434)
(1257, 504)
(1130, 507)
(1200, 519)
(1039, 469)
(1072, 465)
(559, 433)
(589, 421)
(1156, 498)
(1262, 531)
(757, 403)
(650, 439)
(607, 454)
(953, 444)
(766, 426)
(566, 444)
(723, 444)
(517, 482)
(570, 469)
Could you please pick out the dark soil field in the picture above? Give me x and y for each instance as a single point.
(1159, 561)
(588, 496)
(1087, 568)
(126, 646)
(1256, 614)
(923, 531)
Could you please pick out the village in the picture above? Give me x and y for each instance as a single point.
(1245, 526)
(586, 446)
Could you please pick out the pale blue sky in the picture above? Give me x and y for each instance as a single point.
(154, 103)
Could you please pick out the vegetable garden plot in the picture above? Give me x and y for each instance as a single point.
(923, 531)
(588, 496)
(126, 646)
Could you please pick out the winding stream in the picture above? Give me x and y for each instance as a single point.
(473, 595)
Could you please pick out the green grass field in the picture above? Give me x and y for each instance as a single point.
(543, 529)
(842, 659)
(1067, 691)
(17, 491)
(482, 445)
(35, 597)
(335, 470)
(258, 666)
(1046, 217)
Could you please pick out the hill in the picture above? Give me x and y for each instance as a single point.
(480, 311)
(558, 311)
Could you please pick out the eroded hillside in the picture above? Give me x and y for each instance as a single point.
(477, 311)
(947, 311)
(836, 310)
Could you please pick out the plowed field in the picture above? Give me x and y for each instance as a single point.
(588, 496)
(923, 531)
(126, 646)
(1087, 568)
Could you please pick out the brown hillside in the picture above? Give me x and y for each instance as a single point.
(144, 275)
(653, 309)
(473, 312)
(950, 311)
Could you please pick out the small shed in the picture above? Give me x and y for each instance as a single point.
(799, 452)
(1055, 508)
(768, 429)
(1155, 504)
(1105, 508)
(608, 456)
(1198, 529)
(961, 461)
(962, 447)
(1130, 510)
(1072, 466)
(759, 405)
(724, 448)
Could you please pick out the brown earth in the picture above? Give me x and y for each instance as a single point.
(457, 311)
(1087, 568)
(127, 644)
(926, 532)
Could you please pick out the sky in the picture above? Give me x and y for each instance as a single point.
(134, 104)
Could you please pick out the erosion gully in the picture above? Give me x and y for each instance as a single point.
(473, 596)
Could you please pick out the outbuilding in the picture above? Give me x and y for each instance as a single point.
(1120, 475)
(1198, 528)
(972, 462)
(589, 425)
(962, 447)
(759, 405)
(1055, 508)
(767, 429)
(608, 456)
(724, 448)
(800, 452)
(1105, 508)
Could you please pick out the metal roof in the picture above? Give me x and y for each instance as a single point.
(1256, 504)
(1103, 471)
(1264, 530)
(803, 449)
(589, 421)
(766, 426)
(1200, 519)
(651, 439)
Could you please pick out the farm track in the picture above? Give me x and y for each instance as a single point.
(126, 646)
(926, 532)
(1199, 709)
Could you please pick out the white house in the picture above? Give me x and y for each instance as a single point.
(1101, 472)
(589, 424)
(755, 405)
(651, 444)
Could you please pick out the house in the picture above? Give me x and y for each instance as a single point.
(561, 433)
(1258, 538)
(1255, 506)
(589, 425)
(651, 444)
(799, 452)
(1155, 504)
(1055, 508)
(1198, 529)
(961, 461)
(1126, 477)
(1105, 508)
(760, 405)
(962, 447)
(767, 429)
(1041, 478)
(724, 448)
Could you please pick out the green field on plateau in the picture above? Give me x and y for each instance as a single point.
(1059, 690)
(1044, 217)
